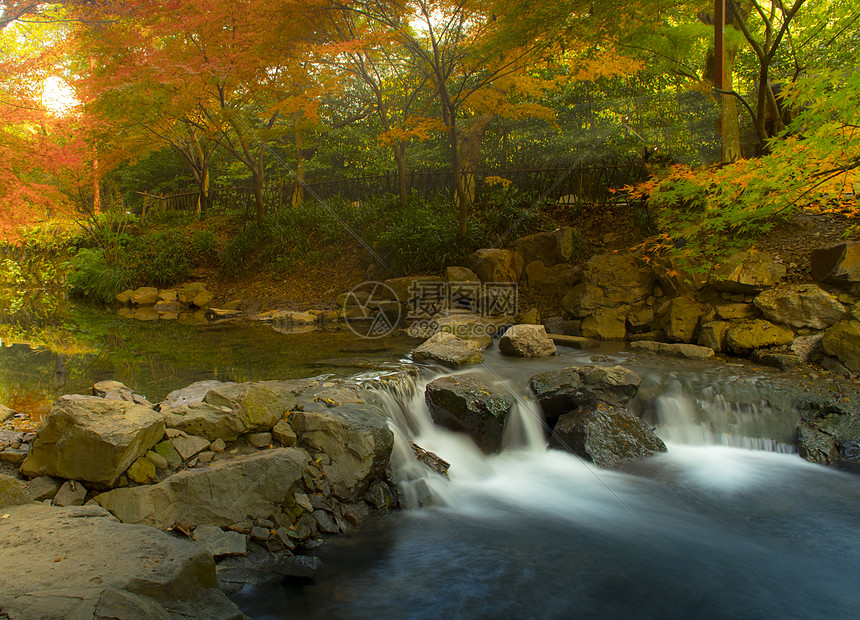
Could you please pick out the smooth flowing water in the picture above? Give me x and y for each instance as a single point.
(729, 524)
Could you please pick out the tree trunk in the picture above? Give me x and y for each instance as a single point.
(299, 190)
(731, 126)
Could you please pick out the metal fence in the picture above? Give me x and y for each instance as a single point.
(584, 184)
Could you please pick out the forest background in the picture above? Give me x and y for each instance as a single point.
(108, 106)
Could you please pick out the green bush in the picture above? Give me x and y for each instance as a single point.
(91, 277)
(159, 258)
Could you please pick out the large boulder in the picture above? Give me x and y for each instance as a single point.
(494, 265)
(744, 337)
(526, 341)
(842, 340)
(551, 248)
(838, 264)
(605, 324)
(800, 305)
(606, 434)
(747, 272)
(226, 411)
(562, 391)
(609, 281)
(357, 440)
(223, 493)
(680, 317)
(555, 280)
(448, 350)
(92, 439)
(465, 404)
(80, 562)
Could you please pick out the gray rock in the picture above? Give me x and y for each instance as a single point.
(747, 272)
(284, 434)
(838, 264)
(842, 340)
(561, 391)
(680, 317)
(42, 488)
(6, 413)
(105, 569)
(92, 439)
(713, 335)
(550, 248)
(218, 446)
(687, 351)
(826, 425)
(260, 534)
(12, 492)
(800, 305)
(758, 334)
(218, 542)
(114, 390)
(494, 265)
(207, 456)
(224, 493)
(157, 460)
(606, 434)
(465, 404)
(461, 274)
(188, 446)
(229, 410)
(72, 493)
(554, 325)
(449, 350)
(357, 440)
(260, 440)
(609, 281)
(325, 522)
(526, 341)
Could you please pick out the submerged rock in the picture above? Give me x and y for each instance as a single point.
(82, 563)
(92, 439)
(606, 434)
(465, 404)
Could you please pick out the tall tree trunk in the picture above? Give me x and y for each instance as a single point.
(299, 190)
(731, 126)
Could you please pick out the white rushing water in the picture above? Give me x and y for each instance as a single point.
(728, 524)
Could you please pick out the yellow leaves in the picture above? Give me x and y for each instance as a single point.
(418, 127)
(496, 180)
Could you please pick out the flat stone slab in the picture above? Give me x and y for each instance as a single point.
(577, 342)
(80, 562)
(687, 351)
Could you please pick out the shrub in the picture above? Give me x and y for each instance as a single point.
(91, 277)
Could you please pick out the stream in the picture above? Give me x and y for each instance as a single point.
(730, 523)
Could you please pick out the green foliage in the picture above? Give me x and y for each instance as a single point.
(91, 277)
(159, 258)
